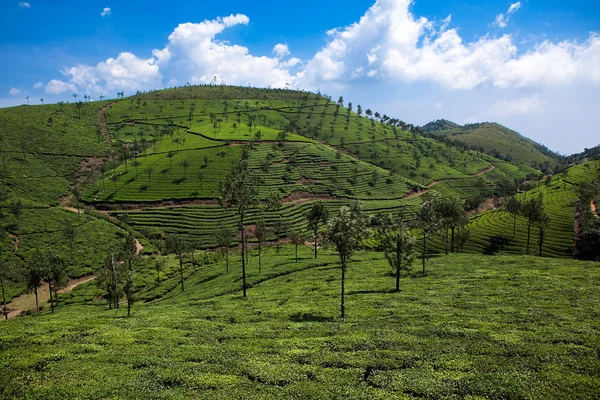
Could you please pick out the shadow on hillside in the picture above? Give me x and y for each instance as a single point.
(497, 244)
(309, 317)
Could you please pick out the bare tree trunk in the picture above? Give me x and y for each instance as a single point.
(37, 305)
(316, 233)
(181, 269)
(528, 235)
(398, 260)
(51, 300)
(4, 302)
(243, 257)
(343, 305)
(424, 250)
(452, 241)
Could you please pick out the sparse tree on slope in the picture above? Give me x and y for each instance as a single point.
(532, 210)
(261, 232)
(316, 216)
(175, 244)
(345, 232)
(427, 219)
(34, 274)
(69, 234)
(16, 208)
(513, 207)
(398, 244)
(223, 237)
(238, 189)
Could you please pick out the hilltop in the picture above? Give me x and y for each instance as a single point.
(496, 140)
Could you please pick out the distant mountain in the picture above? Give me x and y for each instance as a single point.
(494, 139)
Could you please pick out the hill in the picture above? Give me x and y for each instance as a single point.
(496, 140)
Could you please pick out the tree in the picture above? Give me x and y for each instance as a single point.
(76, 191)
(397, 243)
(16, 208)
(513, 206)
(316, 216)
(427, 219)
(532, 210)
(200, 179)
(261, 233)
(53, 273)
(452, 215)
(238, 189)
(4, 275)
(175, 244)
(543, 222)
(297, 238)
(34, 273)
(69, 234)
(185, 164)
(109, 278)
(27, 100)
(345, 231)
(223, 237)
(159, 264)
(42, 100)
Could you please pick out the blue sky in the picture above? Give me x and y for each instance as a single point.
(533, 66)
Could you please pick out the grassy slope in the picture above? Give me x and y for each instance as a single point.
(494, 137)
(488, 327)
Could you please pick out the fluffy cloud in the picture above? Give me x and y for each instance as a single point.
(281, 50)
(58, 87)
(193, 54)
(38, 85)
(14, 91)
(390, 43)
(24, 5)
(106, 12)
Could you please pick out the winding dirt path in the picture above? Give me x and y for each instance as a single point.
(594, 209)
(102, 119)
(26, 301)
(138, 247)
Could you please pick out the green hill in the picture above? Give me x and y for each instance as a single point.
(151, 165)
(496, 140)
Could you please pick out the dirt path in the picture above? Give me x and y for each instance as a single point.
(102, 119)
(26, 301)
(138, 247)
(594, 209)
(16, 241)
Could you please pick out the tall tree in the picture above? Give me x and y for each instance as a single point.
(397, 243)
(69, 234)
(16, 208)
(4, 276)
(159, 264)
(175, 244)
(513, 207)
(54, 274)
(76, 191)
(543, 222)
(34, 274)
(238, 189)
(223, 237)
(427, 219)
(532, 210)
(297, 238)
(261, 233)
(452, 215)
(316, 216)
(345, 231)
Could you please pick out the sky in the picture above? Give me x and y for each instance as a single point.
(531, 65)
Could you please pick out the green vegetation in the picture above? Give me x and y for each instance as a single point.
(474, 326)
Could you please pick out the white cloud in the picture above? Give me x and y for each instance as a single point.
(14, 91)
(502, 20)
(106, 12)
(517, 107)
(58, 87)
(24, 4)
(514, 8)
(292, 62)
(411, 49)
(38, 85)
(281, 50)
(196, 56)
